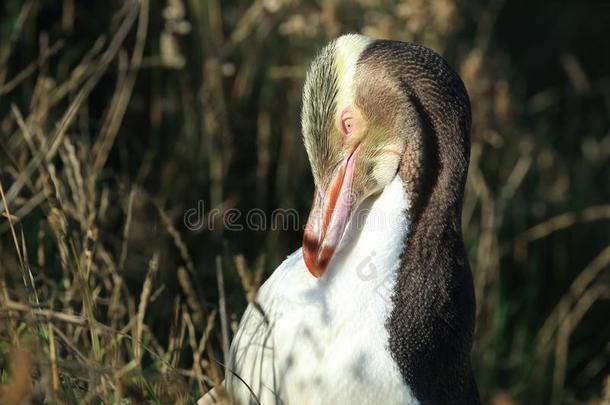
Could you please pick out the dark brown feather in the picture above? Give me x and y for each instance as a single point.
(412, 89)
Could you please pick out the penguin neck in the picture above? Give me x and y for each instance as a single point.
(432, 319)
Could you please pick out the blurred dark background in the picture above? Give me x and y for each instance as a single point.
(117, 117)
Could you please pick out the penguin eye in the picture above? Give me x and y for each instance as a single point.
(347, 121)
(348, 125)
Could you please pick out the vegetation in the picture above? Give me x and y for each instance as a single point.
(118, 117)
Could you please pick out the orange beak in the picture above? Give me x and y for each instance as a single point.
(328, 218)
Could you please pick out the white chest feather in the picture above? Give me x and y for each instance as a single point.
(324, 341)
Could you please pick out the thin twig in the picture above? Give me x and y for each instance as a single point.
(222, 304)
(153, 267)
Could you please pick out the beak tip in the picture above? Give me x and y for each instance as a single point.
(316, 259)
(310, 249)
(314, 270)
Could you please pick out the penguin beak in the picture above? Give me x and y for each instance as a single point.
(328, 217)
